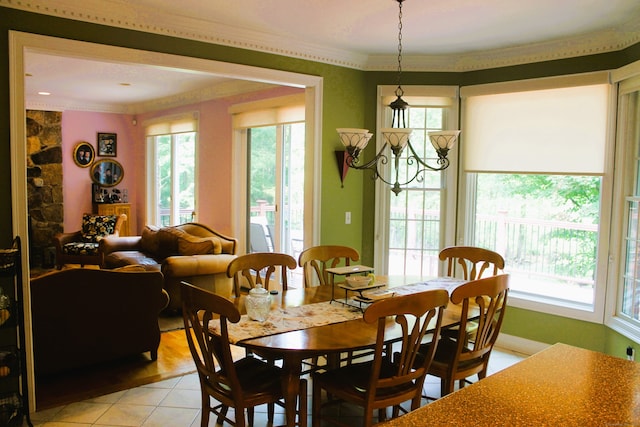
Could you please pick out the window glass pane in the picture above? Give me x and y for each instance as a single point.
(630, 295)
(546, 227)
(163, 179)
(185, 173)
(293, 188)
(175, 178)
(415, 226)
(262, 158)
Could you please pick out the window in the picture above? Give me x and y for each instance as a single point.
(624, 312)
(534, 161)
(630, 297)
(171, 145)
(414, 230)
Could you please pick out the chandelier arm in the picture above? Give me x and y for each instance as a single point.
(443, 162)
(353, 163)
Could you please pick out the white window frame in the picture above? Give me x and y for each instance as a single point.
(167, 122)
(383, 192)
(540, 303)
(624, 185)
(313, 157)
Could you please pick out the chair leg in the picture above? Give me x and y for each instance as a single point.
(221, 416)
(206, 410)
(249, 417)
(446, 386)
(382, 415)
(316, 403)
(270, 412)
(302, 403)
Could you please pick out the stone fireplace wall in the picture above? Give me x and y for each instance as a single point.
(44, 184)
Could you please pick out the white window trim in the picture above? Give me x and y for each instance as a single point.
(540, 303)
(382, 190)
(623, 182)
(313, 157)
(151, 201)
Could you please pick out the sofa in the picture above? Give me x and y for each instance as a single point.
(189, 252)
(83, 316)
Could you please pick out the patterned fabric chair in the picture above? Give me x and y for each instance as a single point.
(81, 247)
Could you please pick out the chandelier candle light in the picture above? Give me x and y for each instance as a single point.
(396, 137)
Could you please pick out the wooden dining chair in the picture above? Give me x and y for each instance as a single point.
(241, 384)
(314, 262)
(472, 262)
(264, 268)
(389, 379)
(483, 301)
(316, 259)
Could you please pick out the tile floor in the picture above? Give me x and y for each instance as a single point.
(176, 403)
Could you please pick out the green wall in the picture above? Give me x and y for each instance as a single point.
(349, 100)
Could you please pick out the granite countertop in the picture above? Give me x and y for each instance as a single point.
(559, 386)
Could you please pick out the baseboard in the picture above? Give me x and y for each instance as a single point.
(519, 345)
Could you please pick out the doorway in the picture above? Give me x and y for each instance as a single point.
(21, 43)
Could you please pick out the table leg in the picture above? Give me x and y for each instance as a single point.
(292, 366)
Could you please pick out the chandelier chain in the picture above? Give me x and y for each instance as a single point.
(396, 138)
(399, 91)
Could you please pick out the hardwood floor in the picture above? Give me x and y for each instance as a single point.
(174, 359)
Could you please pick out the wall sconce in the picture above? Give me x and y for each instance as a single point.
(343, 166)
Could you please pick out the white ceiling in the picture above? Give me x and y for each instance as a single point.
(439, 35)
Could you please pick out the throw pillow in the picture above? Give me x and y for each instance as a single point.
(193, 245)
(95, 227)
(168, 241)
(150, 240)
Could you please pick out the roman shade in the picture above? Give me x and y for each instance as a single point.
(171, 125)
(269, 112)
(550, 126)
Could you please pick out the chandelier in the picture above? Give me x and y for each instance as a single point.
(396, 138)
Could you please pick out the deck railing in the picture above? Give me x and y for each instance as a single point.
(560, 250)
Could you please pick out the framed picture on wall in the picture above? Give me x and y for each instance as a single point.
(83, 154)
(107, 144)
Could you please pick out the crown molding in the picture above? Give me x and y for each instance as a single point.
(73, 105)
(219, 91)
(129, 16)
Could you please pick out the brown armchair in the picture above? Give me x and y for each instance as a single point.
(81, 247)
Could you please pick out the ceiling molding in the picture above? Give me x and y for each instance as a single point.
(127, 15)
(73, 105)
(219, 91)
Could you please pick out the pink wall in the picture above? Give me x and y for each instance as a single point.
(78, 126)
(214, 159)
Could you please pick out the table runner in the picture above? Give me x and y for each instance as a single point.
(289, 319)
(318, 314)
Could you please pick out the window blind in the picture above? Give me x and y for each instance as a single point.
(268, 112)
(546, 126)
(173, 124)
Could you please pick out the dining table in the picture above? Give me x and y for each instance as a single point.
(562, 385)
(308, 322)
